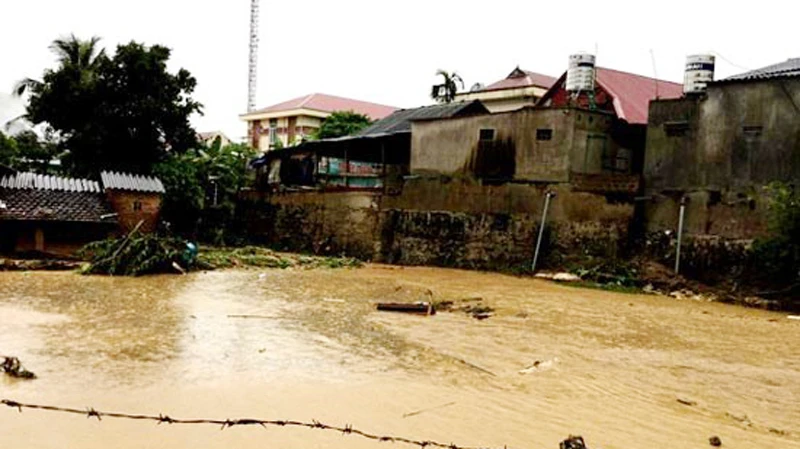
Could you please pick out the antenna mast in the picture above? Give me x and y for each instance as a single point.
(253, 66)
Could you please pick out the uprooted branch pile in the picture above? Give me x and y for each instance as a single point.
(135, 255)
(139, 253)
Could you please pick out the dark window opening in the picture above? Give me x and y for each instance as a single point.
(486, 135)
(752, 131)
(544, 134)
(137, 206)
(676, 129)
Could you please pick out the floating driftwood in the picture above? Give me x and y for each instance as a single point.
(13, 367)
(419, 308)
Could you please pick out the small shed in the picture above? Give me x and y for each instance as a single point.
(134, 198)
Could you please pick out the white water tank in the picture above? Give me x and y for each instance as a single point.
(699, 72)
(580, 74)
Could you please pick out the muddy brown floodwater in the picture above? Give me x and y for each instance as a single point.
(612, 366)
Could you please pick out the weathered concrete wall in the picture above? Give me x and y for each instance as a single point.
(721, 150)
(321, 223)
(729, 215)
(454, 224)
(577, 142)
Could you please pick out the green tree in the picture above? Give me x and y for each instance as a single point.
(342, 123)
(27, 152)
(202, 186)
(446, 92)
(124, 112)
(777, 257)
(8, 151)
(78, 62)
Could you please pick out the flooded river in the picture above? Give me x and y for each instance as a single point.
(309, 345)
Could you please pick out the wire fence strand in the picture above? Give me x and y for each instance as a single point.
(228, 423)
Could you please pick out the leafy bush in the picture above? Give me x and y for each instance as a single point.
(777, 258)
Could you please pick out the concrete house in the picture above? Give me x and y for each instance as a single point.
(719, 148)
(56, 215)
(290, 122)
(519, 89)
(594, 140)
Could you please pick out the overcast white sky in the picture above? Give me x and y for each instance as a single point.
(388, 51)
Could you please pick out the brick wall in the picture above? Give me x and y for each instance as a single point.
(132, 207)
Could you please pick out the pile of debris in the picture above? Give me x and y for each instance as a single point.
(39, 265)
(137, 254)
(13, 367)
(475, 307)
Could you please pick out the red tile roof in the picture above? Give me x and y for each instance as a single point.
(632, 93)
(330, 103)
(522, 78)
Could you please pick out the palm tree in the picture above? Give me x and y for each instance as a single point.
(446, 92)
(79, 57)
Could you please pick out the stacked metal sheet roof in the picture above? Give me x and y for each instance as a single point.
(27, 180)
(124, 181)
(786, 69)
(400, 121)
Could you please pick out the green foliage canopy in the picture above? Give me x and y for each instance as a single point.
(342, 123)
(120, 112)
(195, 179)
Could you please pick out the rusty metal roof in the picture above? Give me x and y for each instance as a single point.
(136, 183)
(27, 180)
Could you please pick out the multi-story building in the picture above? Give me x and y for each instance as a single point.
(290, 122)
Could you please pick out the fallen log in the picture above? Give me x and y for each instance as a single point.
(419, 308)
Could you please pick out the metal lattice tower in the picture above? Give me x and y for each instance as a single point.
(253, 66)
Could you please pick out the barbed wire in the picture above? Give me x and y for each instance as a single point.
(228, 423)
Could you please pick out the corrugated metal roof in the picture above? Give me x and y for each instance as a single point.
(125, 181)
(400, 121)
(28, 180)
(786, 69)
(631, 93)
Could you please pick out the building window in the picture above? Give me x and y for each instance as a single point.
(752, 131)
(137, 206)
(676, 129)
(273, 131)
(544, 134)
(486, 135)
